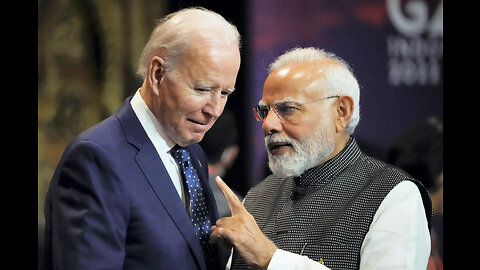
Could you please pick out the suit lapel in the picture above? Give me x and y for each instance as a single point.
(157, 176)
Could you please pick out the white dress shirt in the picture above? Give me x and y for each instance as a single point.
(162, 143)
(398, 237)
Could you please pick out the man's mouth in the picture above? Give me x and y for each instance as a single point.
(197, 122)
(277, 148)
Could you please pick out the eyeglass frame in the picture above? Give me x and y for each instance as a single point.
(258, 115)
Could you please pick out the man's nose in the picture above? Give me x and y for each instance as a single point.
(272, 123)
(215, 105)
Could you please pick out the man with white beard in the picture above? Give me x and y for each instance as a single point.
(327, 205)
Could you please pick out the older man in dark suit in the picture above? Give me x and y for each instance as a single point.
(132, 192)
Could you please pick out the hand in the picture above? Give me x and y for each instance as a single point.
(241, 230)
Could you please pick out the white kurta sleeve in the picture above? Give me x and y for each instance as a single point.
(283, 260)
(398, 237)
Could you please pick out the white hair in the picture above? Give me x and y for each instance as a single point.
(339, 79)
(174, 33)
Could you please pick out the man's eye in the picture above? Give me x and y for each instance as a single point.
(263, 110)
(201, 90)
(225, 93)
(284, 109)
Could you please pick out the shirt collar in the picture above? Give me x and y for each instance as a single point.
(150, 123)
(330, 168)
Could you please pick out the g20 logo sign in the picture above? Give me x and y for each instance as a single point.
(416, 19)
(416, 49)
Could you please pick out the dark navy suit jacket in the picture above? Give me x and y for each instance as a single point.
(112, 205)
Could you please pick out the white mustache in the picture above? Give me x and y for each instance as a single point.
(275, 138)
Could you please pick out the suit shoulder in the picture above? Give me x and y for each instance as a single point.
(105, 134)
(101, 132)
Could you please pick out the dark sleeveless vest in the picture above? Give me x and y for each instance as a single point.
(326, 212)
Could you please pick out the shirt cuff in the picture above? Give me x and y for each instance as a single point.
(284, 260)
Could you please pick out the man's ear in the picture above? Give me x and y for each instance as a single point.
(344, 112)
(156, 73)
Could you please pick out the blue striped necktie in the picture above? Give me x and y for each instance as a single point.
(198, 205)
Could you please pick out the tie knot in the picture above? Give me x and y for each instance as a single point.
(180, 154)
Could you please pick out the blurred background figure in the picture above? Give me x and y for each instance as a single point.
(221, 147)
(419, 151)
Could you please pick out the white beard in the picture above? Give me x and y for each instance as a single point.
(307, 152)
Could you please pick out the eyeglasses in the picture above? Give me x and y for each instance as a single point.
(284, 109)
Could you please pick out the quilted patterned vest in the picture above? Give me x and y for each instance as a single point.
(326, 212)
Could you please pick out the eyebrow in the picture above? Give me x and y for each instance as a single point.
(209, 85)
(287, 99)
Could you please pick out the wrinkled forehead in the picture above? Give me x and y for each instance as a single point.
(210, 65)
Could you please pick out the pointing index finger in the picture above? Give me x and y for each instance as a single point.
(235, 205)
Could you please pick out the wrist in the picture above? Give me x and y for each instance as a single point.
(267, 256)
